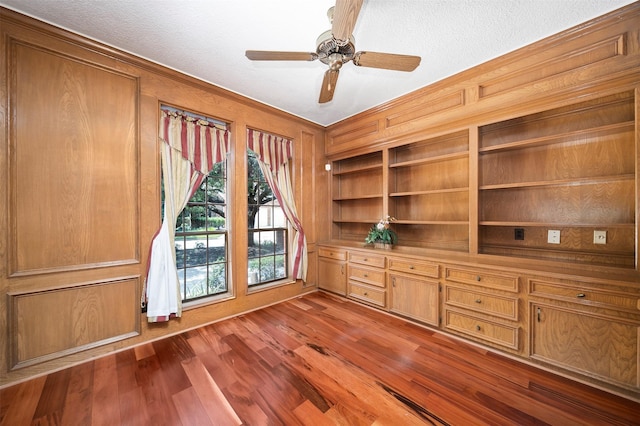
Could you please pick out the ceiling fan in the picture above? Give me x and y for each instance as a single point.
(336, 47)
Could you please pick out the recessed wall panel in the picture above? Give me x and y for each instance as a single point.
(51, 323)
(73, 164)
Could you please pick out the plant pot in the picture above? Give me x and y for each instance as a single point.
(383, 246)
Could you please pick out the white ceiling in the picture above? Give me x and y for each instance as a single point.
(207, 39)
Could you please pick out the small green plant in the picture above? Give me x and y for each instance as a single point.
(381, 232)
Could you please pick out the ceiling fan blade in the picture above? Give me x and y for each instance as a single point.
(328, 85)
(389, 61)
(345, 16)
(268, 55)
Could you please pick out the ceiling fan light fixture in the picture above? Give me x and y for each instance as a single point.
(336, 47)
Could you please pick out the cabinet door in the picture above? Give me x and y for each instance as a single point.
(332, 276)
(606, 347)
(415, 298)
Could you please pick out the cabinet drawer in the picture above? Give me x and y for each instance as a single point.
(470, 325)
(331, 253)
(374, 260)
(501, 306)
(482, 278)
(368, 275)
(367, 294)
(584, 295)
(409, 266)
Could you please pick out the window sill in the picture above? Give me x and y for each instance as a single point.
(269, 286)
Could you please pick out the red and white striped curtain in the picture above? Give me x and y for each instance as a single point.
(190, 147)
(273, 154)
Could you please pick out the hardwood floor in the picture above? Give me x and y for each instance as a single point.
(316, 360)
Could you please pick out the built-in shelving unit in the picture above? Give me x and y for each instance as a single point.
(357, 197)
(429, 192)
(570, 169)
(424, 187)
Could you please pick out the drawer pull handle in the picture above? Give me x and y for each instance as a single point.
(478, 301)
(478, 327)
(478, 277)
(581, 295)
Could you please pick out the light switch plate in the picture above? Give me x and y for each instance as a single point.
(599, 237)
(553, 236)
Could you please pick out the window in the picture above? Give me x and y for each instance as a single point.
(267, 233)
(201, 239)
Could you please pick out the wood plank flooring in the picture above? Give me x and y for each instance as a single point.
(315, 360)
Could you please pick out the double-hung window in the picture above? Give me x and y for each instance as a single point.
(201, 239)
(268, 233)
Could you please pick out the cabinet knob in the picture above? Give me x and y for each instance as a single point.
(366, 275)
(366, 294)
(478, 277)
(478, 327)
(478, 301)
(366, 260)
(411, 267)
(581, 295)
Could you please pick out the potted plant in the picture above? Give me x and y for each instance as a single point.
(381, 235)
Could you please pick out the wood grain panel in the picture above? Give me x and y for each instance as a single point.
(580, 58)
(596, 345)
(49, 324)
(426, 108)
(74, 164)
(335, 140)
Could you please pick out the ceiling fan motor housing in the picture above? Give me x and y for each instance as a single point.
(330, 51)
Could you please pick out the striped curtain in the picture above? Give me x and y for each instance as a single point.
(273, 154)
(190, 147)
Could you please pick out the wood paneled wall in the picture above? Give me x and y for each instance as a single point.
(590, 60)
(80, 193)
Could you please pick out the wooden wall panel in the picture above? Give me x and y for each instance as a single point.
(52, 323)
(74, 168)
(602, 55)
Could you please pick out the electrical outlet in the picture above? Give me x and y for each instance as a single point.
(553, 236)
(599, 237)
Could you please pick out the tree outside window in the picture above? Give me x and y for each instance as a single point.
(201, 239)
(267, 234)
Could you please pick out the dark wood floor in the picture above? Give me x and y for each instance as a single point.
(316, 360)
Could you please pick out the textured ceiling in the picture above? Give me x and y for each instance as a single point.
(207, 39)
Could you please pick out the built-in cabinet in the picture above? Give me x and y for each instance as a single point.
(584, 326)
(332, 270)
(514, 188)
(367, 281)
(483, 304)
(414, 288)
(590, 326)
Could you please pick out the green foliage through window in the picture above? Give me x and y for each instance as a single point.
(267, 234)
(201, 240)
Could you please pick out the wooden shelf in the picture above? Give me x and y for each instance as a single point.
(571, 168)
(369, 221)
(358, 197)
(358, 170)
(627, 126)
(435, 159)
(432, 222)
(433, 191)
(560, 182)
(556, 224)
